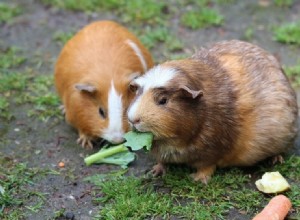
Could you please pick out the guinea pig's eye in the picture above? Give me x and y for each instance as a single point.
(162, 101)
(101, 112)
(133, 87)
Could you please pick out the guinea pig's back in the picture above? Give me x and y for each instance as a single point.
(266, 104)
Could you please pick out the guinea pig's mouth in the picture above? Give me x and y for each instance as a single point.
(138, 128)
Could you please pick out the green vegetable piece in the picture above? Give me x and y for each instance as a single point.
(138, 140)
(120, 155)
(122, 159)
(104, 153)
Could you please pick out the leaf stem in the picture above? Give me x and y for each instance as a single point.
(105, 153)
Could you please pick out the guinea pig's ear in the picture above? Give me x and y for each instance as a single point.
(191, 93)
(133, 76)
(85, 87)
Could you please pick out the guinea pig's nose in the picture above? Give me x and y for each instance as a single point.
(135, 121)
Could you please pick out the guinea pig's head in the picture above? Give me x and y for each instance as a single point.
(167, 101)
(99, 108)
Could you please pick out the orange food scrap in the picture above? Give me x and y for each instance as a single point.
(277, 209)
(61, 164)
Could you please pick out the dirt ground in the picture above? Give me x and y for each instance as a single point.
(45, 144)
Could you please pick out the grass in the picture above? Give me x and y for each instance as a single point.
(16, 197)
(62, 37)
(45, 103)
(83, 5)
(284, 3)
(143, 202)
(288, 33)
(293, 73)
(13, 81)
(10, 58)
(151, 17)
(20, 86)
(9, 80)
(151, 37)
(147, 11)
(248, 34)
(160, 36)
(147, 19)
(29, 89)
(290, 170)
(143, 15)
(202, 18)
(176, 194)
(8, 12)
(4, 111)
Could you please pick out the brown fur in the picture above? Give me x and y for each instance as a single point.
(247, 112)
(95, 56)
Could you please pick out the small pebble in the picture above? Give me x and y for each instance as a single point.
(70, 215)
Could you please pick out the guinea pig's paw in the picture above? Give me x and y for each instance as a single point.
(85, 141)
(204, 175)
(200, 177)
(62, 109)
(277, 159)
(158, 170)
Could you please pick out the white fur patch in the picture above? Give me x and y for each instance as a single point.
(138, 52)
(132, 109)
(114, 131)
(156, 77)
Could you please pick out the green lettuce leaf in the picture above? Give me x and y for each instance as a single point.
(138, 140)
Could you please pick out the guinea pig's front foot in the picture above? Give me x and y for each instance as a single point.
(158, 169)
(204, 174)
(85, 141)
(62, 109)
(277, 159)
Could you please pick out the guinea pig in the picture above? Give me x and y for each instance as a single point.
(227, 105)
(92, 76)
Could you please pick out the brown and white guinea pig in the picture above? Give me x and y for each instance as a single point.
(228, 105)
(92, 75)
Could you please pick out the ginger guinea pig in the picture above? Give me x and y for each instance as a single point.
(228, 105)
(92, 75)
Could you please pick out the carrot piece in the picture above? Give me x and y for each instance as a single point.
(277, 209)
